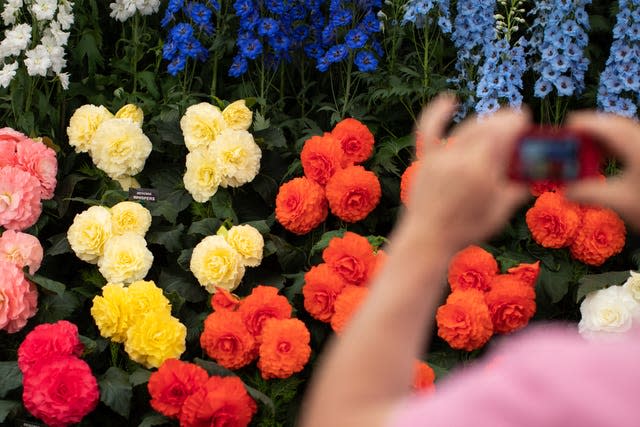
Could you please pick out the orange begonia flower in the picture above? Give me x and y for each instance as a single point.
(600, 236)
(321, 288)
(464, 321)
(301, 205)
(511, 303)
(472, 268)
(263, 303)
(346, 305)
(321, 157)
(352, 257)
(285, 348)
(355, 139)
(226, 339)
(353, 193)
(553, 220)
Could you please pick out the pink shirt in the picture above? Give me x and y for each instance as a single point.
(548, 376)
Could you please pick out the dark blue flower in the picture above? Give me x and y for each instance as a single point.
(267, 27)
(337, 53)
(238, 67)
(323, 64)
(243, 7)
(365, 61)
(201, 16)
(177, 64)
(356, 39)
(280, 43)
(250, 48)
(314, 50)
(341, 18)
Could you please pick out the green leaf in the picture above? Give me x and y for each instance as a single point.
(296, 287)
(556, 283)
(222, 205)
(154, 420)
(213, 368)
(170, 237)
(59, 245)
(139, 376)
(147, 78)
(52, 308)
(204, 227)
(260, 225)
(7, 407)
(48, 284)
(271, 138)
(165, 209)
(261, 397)
(115, 391)
(594, 282)
(182, 285)
(377, 241)
(324, 240)
(10, 377)
(184, 259)
(290, 257)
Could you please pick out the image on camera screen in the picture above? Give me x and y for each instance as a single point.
(549, 159)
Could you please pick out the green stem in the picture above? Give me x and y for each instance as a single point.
(214, 76)
(134, 62)
(114, 353)
(425, 61)
(347, 88)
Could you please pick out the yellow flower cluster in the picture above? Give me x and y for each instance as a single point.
(116, 144)
(140, 317)
(221, 150)
(113, 238)
(220, 260)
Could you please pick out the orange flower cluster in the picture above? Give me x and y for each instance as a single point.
(332, 180)
(184, 391)
(335, 289)
(258, 326)
(592, 234)
(483, 301)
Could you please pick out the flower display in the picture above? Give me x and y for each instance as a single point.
(464, 322)
(601, 235)
(423, 12)
(202, 177)
(20, 205)
(222, 299)
(173, 383)
(248, 242)
(472, 268)
(60, 390)
(21, 249)
(47, 340)
(222, 401)
(355, 139)
(140, 317)
(18, 297)
(284, 349)
(553, 220)
(238, 157)
(129, 217)
(301, 205)
(608, 311)
(201, 124)
(121, 10)
(353, 193)
(226, 339)
(116, 143)
(89, 232)
(36, 36)
(237, 115)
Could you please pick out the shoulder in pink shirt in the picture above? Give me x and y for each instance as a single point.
(548, 376)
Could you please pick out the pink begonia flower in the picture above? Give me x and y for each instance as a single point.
(9, 138)
(21, 249)
(18, 298)
(40, 161)
(20, 205)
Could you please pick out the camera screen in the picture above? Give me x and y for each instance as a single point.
(555, 159)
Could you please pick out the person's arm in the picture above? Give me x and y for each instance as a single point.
(622, 137)
(460, 195)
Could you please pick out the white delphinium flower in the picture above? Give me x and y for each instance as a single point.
(64, 80)
(65, 14)
(53, 31)
(121, 10)
(7, 73)
(15, 40)
(10, 11)
(38, 61)
(147, 7)
(44, 10)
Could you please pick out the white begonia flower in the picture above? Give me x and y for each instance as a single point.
(121, 10)
(15, 40)
(38, 61)
(64, 80)
(147, 7)
(607, 311)
(633, 285)
(7, 73)
(10, 11)
(44, 10)
(65, 15)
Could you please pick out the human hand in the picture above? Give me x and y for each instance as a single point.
(461, 192)
(622, 137)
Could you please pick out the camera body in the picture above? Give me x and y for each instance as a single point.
(554, 154)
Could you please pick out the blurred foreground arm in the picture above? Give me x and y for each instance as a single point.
(460, 195)
(622, 137)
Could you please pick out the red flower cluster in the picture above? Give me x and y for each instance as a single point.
(258, 326)
(59, 387)
(592, 234)
(423, 378)
(184, 391)
(334, 289)
(332, 180)
(483, 301)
